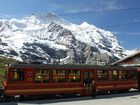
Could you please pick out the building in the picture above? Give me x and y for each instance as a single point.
(131, 60)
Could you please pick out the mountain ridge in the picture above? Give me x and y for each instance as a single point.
(48, 38)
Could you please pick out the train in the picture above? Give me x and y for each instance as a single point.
(24, 80)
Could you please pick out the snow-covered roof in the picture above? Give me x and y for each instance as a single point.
(130, 56)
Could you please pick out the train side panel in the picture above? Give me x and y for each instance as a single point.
(116, 85)
(28, 86)
(31, 81)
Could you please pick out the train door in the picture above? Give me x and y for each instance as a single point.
(88, 77)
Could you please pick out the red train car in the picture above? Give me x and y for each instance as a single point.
(44, 79)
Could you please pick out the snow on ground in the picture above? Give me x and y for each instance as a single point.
(132, 98)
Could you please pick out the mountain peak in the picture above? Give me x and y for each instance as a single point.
(49, 17)
(85, 24)
(46, 37)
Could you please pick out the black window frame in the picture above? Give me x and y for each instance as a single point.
(42, 76)
(21, 75)
(58, 74)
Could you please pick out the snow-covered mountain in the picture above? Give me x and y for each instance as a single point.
(47, 38)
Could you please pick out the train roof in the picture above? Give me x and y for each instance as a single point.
(68, 66)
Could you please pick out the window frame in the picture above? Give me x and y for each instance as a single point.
(72, 76)
(136, 60)
(59, 77)
(12, 70)
(125, 75)
(42, 74)
(113, 77)
(97, 75)
(132, 71)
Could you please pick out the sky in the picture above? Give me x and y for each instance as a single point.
(121, 17)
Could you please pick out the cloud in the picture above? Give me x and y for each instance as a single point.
(79, 10)
(90, 6)
(111, 5)
(126, 33)
(54, 6)
(108, 5)
(132, 33)
(6, 16)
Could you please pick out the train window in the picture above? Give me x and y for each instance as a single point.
(17, 75)
(42, 76)
(136, 60)
(59, 76)
(132, 75)
(74, 75)
(122, 74)
(101, 74)
(113, 75)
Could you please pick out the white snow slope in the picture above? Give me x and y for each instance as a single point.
(45, 37)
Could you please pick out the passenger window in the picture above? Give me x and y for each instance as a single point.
(17, 75)
(123, 75)
(101, 74)
(132, 75)
(42, 76)
(59, 76)
(113, 75)
(74, 75)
